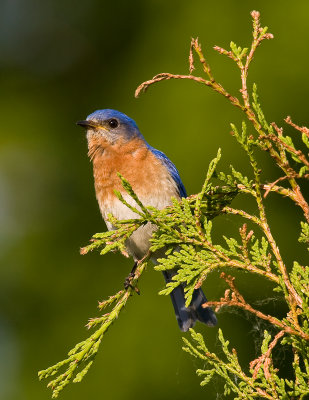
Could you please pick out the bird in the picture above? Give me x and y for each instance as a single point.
(116, 145)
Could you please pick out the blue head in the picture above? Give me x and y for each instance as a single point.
(111, 125)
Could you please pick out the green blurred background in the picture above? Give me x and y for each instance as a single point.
(60, 61)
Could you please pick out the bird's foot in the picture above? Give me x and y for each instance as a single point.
(129, 279)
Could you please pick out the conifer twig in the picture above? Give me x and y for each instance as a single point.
(232, 298)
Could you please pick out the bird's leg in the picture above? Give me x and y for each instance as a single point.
(129, 278)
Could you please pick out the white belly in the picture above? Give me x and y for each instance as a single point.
(138, 244)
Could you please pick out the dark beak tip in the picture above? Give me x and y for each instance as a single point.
(83, 124)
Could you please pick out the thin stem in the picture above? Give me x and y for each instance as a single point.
(235, 299)
(166, 76)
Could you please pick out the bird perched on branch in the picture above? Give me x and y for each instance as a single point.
(116, 146)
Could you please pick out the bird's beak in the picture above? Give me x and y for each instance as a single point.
(87, 124)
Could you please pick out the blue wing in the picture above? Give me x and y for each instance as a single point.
(171, 168)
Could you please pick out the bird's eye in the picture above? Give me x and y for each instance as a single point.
(113, 123)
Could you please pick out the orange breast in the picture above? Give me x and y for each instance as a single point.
(137, 164)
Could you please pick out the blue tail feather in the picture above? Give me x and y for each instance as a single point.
(187, 316)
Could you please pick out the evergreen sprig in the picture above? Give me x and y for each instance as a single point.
(176, 226)
(81, 357)
(183, 234)
(256, 250)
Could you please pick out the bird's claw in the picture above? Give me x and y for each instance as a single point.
(128, 283)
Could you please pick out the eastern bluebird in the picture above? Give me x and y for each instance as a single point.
(116, 145)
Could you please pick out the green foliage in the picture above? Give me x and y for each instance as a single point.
(183, 233)
(238, 52)
(259, 112)
(300, 281)
(262, 256)
(81, 357)
(304, 236)
(262, 380)
(176, 226)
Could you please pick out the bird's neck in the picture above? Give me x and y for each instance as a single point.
(100, 147)
(125, 157)
(96, 146)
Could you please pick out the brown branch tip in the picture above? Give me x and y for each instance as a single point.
(302, 129)
(265, 358)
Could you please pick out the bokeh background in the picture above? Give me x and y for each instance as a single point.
(60, 61)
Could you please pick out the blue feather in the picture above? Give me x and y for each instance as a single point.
(171, 169)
